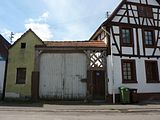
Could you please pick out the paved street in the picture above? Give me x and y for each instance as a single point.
(18, 115)
(79, 112)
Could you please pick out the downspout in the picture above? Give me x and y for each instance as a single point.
(112, 67)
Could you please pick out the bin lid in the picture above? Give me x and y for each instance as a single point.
(123, 87)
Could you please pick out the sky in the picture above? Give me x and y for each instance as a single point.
(54, 19)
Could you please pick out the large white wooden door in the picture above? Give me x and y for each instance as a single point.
(61, 74)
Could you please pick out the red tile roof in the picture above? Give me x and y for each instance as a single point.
(96, 44)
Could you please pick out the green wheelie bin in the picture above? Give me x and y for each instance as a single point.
(124, 95)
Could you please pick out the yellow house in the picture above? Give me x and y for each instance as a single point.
(21, 62)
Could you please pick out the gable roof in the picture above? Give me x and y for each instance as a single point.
(4, 46)
(4, 41)
(106, 22)
(29, 30)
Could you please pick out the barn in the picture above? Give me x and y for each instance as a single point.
(70, 71)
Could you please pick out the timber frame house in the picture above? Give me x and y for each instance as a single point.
(132, 33)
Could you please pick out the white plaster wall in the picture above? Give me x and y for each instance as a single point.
(135, 40)
(2, 72)
(141, 86)
(116, 18)
(134, 7)
(132, 20)
(127, 50)
(124, 20)
(136, 1)
(116, 29)
(121, 12)
(143, 1)
(150, 2)
(140, 41)
(149, 51)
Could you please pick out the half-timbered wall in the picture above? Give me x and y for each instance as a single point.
(129, 17)
(129, 13)
(138, 49)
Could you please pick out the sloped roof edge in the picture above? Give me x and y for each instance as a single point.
(106, 22)
(4, 41)
(109, 19)
(29, 30)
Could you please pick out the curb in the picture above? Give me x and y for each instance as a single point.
(83, 110)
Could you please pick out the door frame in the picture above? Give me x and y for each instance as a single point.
(90, 83)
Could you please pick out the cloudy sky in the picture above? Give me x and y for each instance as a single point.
(54, 19)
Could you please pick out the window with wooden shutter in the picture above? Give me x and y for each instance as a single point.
(21, 76)
(152, 71)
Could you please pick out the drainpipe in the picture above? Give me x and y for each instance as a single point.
(112, 67)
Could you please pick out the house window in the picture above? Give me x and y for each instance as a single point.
(128, 71)
(152, 71)
(148, 38)
(126, 37)
(21, 76)
(145, 11)
(23, 45)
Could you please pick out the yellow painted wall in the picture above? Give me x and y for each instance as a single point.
(19, 57)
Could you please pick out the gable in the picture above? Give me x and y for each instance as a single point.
(29, 38)
(138, 12)
(127, 13)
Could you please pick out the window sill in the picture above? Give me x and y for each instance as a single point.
(150, 82)
(129, 82)
(130, 45)
(149, 46)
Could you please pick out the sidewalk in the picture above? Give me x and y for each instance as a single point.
(38, 107)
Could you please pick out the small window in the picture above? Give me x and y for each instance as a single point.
(148, 38)
(145, 11)
(23, 45)
(152, 71)
(21, 76)
(128, 71)
(126, 37)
